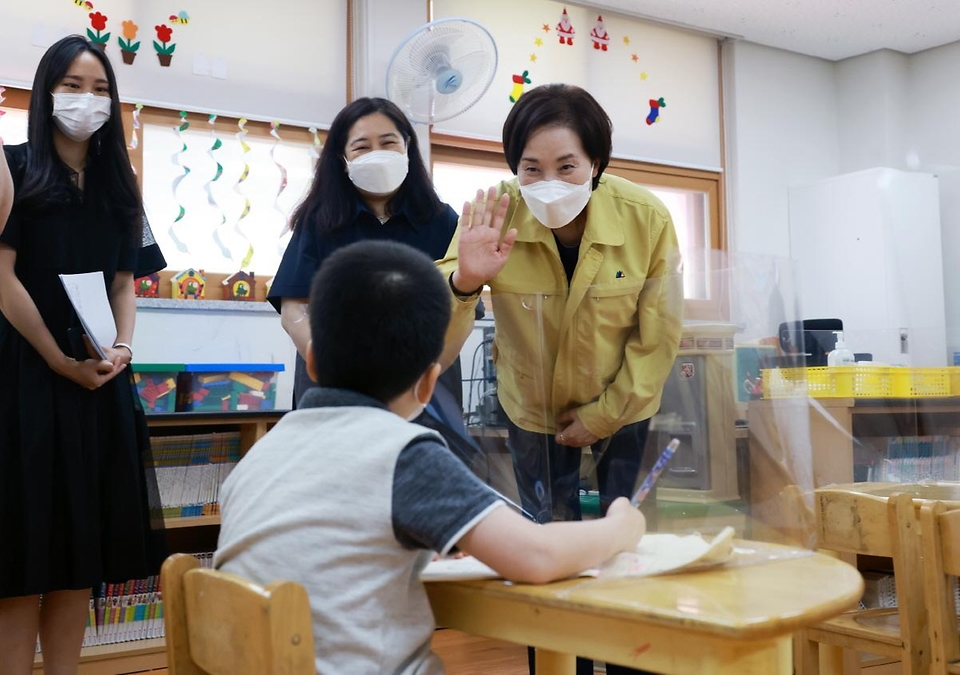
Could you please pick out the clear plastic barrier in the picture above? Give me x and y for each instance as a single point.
(761, 418)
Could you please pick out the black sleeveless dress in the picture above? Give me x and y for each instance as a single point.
(78, 497)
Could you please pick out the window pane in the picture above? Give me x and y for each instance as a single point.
(13, 126)
(458, 183)
(689, 210)
(216, 231)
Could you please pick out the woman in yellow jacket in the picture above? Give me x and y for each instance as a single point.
(587, 294)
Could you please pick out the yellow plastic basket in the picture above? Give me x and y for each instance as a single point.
(921, 382)
(861, 382)
(828, 382)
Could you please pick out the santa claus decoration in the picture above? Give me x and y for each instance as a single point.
(599, 35)
(565, 30)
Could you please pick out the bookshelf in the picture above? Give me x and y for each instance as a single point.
(182, 534)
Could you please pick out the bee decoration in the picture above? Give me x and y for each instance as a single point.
(85, 5)
(180, 17)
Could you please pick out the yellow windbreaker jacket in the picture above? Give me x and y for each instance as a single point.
(602, 344)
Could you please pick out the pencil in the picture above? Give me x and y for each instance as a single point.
(655, 472)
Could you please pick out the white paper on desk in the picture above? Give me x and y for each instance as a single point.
(668, 553)
(88, 295)
(457, 569)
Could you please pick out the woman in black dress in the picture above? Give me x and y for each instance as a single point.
(77, 497)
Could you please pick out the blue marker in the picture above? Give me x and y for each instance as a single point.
(655, 472)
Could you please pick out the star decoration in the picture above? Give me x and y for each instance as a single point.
(546, 28)
(634, 58)
(538, 42)
(626, 39)
(643, 75)
(533, 57)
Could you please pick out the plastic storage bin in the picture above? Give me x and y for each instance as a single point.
(228, 386)
(157, 385)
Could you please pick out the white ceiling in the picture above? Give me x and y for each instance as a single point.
(830, 29)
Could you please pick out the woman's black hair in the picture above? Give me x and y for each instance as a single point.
(559, 105)
(331, 202)
(108, 177)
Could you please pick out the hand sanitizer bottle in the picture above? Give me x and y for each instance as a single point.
(840, 356)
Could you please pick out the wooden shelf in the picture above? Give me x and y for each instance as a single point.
(123, 657)
(238, 417)
(487, 432)
(191, 521)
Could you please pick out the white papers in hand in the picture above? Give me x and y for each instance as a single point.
(88, 295)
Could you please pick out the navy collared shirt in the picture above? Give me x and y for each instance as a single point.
(308, 249)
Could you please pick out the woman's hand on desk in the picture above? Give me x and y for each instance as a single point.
(572, 432)
(480, 250)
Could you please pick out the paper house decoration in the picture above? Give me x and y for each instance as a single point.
(240, 286)
(148, 286)
(189, 285)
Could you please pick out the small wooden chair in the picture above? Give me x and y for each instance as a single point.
(940, 533)
(220, 624)
(855, 522)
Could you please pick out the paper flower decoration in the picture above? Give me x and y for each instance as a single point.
(98, 22)
(128, 48)
(164, 50)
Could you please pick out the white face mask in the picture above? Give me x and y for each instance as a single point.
(79, 116)
(379, 172)
(556, 203)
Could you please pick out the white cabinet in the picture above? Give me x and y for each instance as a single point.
(867, 250)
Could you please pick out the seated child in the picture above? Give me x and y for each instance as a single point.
(348, 498)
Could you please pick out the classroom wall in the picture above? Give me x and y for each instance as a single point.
(781, 125)
(873, 120)
(950, 235)
(792, 119)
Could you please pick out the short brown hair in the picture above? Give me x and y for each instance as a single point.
(559, 105)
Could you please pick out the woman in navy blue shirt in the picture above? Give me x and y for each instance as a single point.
(370, 183)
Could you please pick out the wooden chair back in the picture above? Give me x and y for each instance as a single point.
(940, 533)
(849, 521)
(219, 624)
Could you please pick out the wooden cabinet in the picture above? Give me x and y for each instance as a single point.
(183, 534)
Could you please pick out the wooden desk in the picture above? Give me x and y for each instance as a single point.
(728, 620)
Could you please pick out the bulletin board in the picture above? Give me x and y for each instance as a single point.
(283, 60)
(659, 85)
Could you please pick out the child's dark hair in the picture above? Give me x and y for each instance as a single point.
(379, 312)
